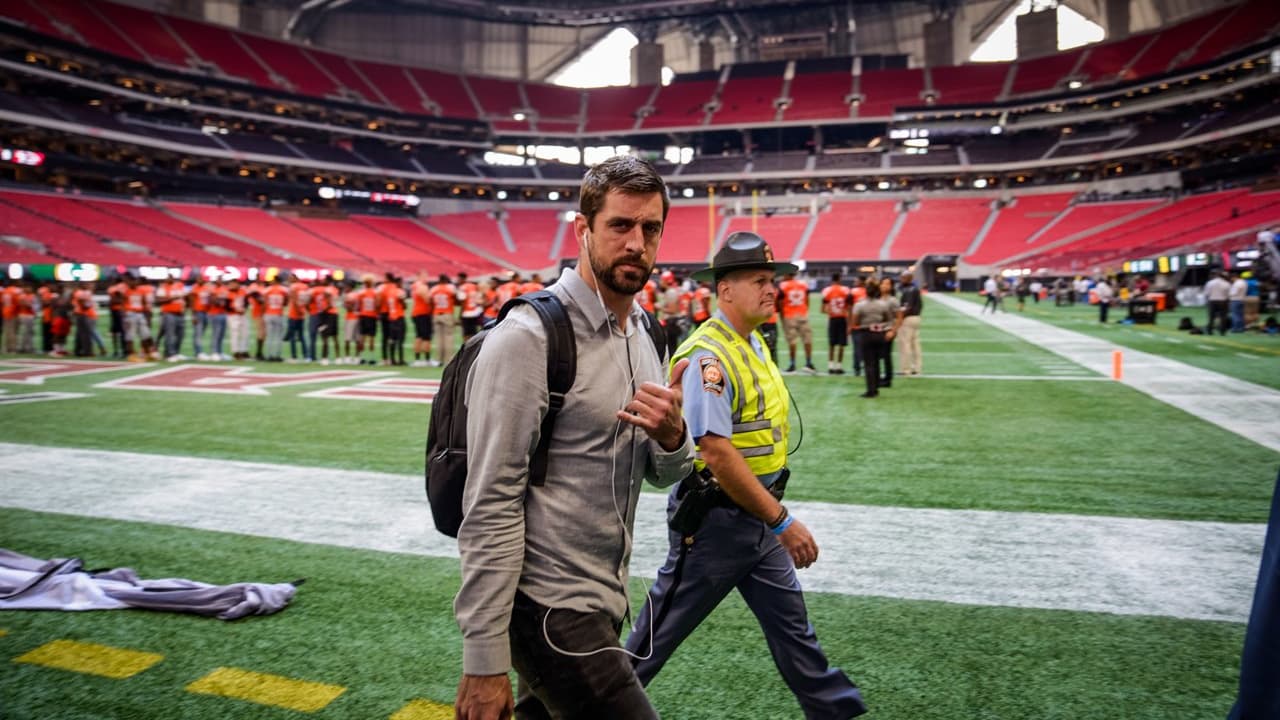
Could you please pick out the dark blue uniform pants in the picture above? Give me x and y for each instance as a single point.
(731, 550)
(1259, 697)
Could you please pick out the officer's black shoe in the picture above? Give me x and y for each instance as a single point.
(869, 395)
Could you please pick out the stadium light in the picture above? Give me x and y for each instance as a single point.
(502, 194)
(980, 183)
(687, 192)
(996, 129)
(15, 271)
(569, 215)
(553, 195)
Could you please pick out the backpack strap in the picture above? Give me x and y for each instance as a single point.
(657, 335)
(562, 367)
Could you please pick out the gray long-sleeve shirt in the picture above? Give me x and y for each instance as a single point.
(567, 543)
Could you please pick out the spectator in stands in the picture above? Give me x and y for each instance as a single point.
(1104, 295)
(795, 321)
(835, 303)
(991, 288)
(911, 304)
(172, 297)
(1235, 298)
(444, 317)
(299, 299)
(1217, 292)
(420, 292)
(275, 299)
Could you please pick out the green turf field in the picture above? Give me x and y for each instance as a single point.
(1058, 440)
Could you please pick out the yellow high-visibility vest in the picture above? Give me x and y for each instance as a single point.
(760, 400)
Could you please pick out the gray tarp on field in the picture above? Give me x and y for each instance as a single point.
(28, 583)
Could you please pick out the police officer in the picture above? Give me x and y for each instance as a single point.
(735, 406)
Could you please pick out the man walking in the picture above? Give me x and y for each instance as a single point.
(736, 408)
(544, 569)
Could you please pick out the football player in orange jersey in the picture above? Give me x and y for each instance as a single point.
(444, 303)
(393, 296)
(420, 294)
(472, 306)
(835, 303)
(795, 320)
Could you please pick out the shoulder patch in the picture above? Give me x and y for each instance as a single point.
(712, 375)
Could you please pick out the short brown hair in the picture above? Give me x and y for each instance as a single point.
(626, 173)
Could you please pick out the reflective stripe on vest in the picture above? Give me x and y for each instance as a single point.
(760, 400)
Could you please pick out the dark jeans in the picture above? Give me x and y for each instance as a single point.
(886, 359)
(1102, 311)
(1218, 311)
(873, 349)
(556, 685)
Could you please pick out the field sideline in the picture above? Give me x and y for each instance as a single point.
(999, 432)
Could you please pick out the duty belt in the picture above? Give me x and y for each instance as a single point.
(722, 499)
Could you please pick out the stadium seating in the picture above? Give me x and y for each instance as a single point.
(1084, 217)
(1044, 74)
(682, 103)
(688, 234)
(533, 232)
(853, 229)
(783, 232)
(748, 99)
(19, 216)
(86, 25)
(476, 229)
(158, 219)
(616, 108)
(441, 255)
(884, 90)
(747, 96)
(270, 230)
(968, 84)
(1160, 54)
(819, 96)
(940, 225)
(219, 47)
(1016, 225)
(350, 81)
(386, 253)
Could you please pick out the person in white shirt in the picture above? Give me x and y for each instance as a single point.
(1235, 299)
(992, 289)
(1216, 292)
(1103, 292)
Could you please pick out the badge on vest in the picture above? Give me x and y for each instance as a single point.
(712, 375)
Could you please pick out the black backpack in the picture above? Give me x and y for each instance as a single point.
(447, 434)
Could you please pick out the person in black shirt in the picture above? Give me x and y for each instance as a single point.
(909, 325)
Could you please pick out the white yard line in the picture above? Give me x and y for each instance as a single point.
(943, 376)
(1244, 408)
(1197, 570)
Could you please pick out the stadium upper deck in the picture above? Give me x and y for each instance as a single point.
(744, 96)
